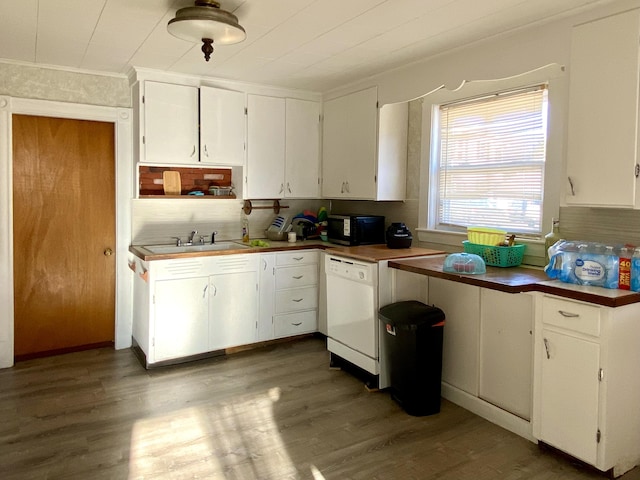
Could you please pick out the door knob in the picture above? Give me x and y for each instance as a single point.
(108, 252)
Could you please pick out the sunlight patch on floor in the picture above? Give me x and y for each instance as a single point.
(235, 439)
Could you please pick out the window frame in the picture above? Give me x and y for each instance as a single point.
(557, 97)
(435, 187)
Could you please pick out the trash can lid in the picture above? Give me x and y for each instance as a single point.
(410, 313)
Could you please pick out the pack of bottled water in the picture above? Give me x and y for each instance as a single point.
(596, 264)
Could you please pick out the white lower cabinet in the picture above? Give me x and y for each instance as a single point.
(190, 306)
(569, 405)
(181, 322)
(233, 309)
(461, 305)
(267, 290)
(487, 349)
(288, 294)
(586, 386)
(506, 350)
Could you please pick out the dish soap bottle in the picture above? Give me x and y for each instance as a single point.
(552, 237)
(245, 228)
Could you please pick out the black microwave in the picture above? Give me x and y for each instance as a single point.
(355, 229)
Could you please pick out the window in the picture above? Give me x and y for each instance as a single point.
(489, 162)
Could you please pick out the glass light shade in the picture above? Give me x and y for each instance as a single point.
(196, 23)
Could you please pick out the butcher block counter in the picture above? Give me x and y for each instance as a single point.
(519, 279)
(367, 253)
(379, 253)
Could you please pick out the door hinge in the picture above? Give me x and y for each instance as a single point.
(246, 111)
(153, 299)
(377, 104)
(153, 341)
(142, 98)
(637, 170)
(598, 436)
(144, 140)
(600, 374)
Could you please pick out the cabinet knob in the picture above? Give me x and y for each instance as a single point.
(107, 252)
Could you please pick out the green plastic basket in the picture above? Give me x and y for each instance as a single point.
(496, 256)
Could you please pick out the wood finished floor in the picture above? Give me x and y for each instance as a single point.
(274, 413)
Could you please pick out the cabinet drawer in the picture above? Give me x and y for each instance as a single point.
(295, 323)
(295, 299)
(575, 316)
(297, 276)
(297, 257)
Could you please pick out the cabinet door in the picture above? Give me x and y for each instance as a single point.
(335, 139)
(170, 123)
(265, 147)
(350, 145)
(233, 310)
(569, 389)
(362, 124)
(267, 293)
(603, 109)
(302, 158)
(181, 318)
(506, 350)
(461, 306)
(222, 126)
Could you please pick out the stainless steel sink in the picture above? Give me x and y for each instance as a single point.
(160, 249)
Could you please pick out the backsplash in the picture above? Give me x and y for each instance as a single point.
(606, 225)
(157, 220)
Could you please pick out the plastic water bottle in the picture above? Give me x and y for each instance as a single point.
(635, 270)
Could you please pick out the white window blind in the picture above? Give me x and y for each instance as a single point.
(491, 162)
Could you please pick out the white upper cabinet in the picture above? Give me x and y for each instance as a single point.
(602, 153)
(190, 125)
(266, 146)
(364, 148)
(170, 123)
(283, 141)
(222, 126)
(302, 149)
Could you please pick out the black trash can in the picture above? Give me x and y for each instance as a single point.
(413, 344)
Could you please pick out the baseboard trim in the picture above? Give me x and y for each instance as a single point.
(489, 412)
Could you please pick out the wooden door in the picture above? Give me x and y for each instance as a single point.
(63, 226)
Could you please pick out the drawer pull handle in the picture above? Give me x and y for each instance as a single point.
(297, 299)
(298, 277)
(297, 259)
(568, 314)
(546, 347)
(297, 324)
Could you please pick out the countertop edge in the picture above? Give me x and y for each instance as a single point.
(373, 253)
(542, 284)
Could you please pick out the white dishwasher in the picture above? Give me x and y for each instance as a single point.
(352, 312)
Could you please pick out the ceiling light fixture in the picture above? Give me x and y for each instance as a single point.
(206, 22)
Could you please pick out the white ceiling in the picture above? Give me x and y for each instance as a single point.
(313, 45)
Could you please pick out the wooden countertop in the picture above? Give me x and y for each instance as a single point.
(367, 253)
(377, 253)
(519, 279)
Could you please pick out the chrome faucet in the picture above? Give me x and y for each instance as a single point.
(191, 237)
(213, 237)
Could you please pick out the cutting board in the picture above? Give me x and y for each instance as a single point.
(171, 183)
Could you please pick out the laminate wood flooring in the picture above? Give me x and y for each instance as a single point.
(276, 412)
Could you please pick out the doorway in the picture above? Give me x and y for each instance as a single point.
(63, 234)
